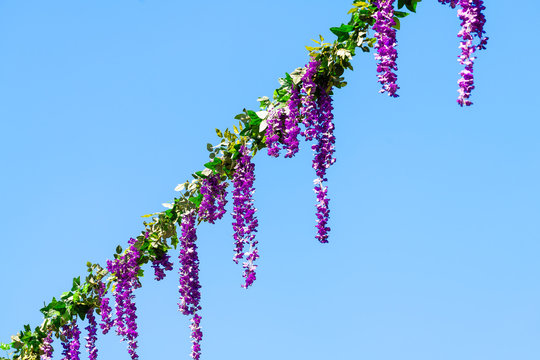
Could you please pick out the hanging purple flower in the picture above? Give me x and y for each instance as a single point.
(291, 123)
(245, 222)
(472, 26)
(196, 337)
(70, 332)
(91, 338)
(190, 295)
(160, 265)
(126, 270)
(324, 134)
(213, 190)
(452, 3)
(46, 347)
(309, 105)
(275, 128)
(323, 159)
(105, 309)
(386, 46)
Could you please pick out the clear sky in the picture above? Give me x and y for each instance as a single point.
(107, 105)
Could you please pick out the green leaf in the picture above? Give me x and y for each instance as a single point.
(397, 26)
(210, 165)
(401, 14)
(196, 199)
(342, 32)
(255, 119)
(245, 131)
(5, 347)
(412, 6)
(59, 305)
(76, 283)
(118, 249)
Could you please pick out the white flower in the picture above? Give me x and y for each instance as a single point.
(344, 54)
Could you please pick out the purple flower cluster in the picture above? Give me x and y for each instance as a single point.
(309, 111)
(245, 222)
(386, 46)
(70, 333)
(160, 265)
(196, 337)
(452, 3)
(46, 347)
(91, 338)
(472, 25)
(105, 309)
(190, 295)
(283, 126)
(275, 128)
(324, 150)
(323, 212)
(316, 114)
(212, 191)
(126, 270)
(291, 123)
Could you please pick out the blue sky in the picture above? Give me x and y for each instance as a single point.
(107, 106)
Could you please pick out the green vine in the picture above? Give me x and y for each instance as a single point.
(159, 234)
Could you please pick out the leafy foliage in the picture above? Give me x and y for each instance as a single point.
(160, 234)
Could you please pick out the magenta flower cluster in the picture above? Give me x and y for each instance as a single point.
(319, 126)
(291, 123)
(213, 191)
(70, 333)
(46, 347)
(283, 126)
(196, 337)
(452, 3)
(275, 131)
(309, 112)
(245, 222)
(160, 265)
(105, 309)
(190, 295)
(311, 105)
(472, 26)
(92, 335)
(126, 269)
(386, 46)
(324, 151)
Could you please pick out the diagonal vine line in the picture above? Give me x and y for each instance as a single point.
(301, 106)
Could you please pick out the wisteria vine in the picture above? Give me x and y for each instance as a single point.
(301, 106)
(471, 14)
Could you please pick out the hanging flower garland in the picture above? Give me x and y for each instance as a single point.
(472, 27)
(386, 46)
(92, 335)
(70, 334)
(105, 309)
(213, 191)
(292, 130)
(301, 106)
(46, 347)
(126, 269)
(245, 222)
(190, 295)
